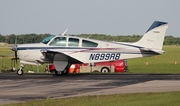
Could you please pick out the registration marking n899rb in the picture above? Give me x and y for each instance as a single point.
(104, 56)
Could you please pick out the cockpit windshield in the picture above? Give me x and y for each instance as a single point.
(46, 40)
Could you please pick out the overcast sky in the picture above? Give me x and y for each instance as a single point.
(111, 17)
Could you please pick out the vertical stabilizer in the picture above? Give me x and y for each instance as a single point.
(154, 36)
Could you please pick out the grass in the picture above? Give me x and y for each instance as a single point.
(169, 62)
(135, 99)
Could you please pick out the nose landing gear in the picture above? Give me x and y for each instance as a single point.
(20, 70)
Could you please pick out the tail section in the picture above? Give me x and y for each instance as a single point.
(154, 36)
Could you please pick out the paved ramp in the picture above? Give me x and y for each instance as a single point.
(150, 86)
(15, 88)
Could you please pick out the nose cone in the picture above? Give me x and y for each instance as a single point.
(13, 48)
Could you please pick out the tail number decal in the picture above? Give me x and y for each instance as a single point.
(104, 56)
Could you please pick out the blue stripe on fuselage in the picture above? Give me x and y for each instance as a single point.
(33, 48)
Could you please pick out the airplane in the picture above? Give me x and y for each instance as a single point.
(63, 50)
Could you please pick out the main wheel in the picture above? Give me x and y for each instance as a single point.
(20, 72)
(105, 70)
(64, 72)
(58, 73)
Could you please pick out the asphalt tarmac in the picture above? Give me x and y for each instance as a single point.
(14, 88)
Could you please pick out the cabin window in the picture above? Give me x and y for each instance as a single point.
(73, 42)
(58, 41)
(46, 40)
(86, 43)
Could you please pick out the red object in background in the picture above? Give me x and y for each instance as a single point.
(52, 67)
(75, 68)
(119, 66)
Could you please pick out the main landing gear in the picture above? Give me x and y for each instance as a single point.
(64, 72)
(60, 73)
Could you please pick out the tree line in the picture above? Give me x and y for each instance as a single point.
(23, 38)
(36, 38)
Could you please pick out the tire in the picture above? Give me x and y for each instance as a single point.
(64, 72)
(20, 72)
(58, 73)
(105, 70)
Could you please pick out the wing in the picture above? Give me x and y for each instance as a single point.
(61, 59)
(50, 54)
(90, 55)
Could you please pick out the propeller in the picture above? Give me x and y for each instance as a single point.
(15, 52)
(14, 48)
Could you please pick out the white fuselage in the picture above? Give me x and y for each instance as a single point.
(31, 56)
(105, 51)
(65, 50)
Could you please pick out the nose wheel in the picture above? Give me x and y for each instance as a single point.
(20, 71)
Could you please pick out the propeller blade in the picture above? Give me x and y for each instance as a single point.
(16, 56)
(16, 41)
(15, 49)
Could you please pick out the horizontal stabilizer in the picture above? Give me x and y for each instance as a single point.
(157, 51)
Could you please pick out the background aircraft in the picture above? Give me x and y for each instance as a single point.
(63, 51)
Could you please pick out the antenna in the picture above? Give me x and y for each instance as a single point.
(64, 32)
(114, 39)
(90, 35)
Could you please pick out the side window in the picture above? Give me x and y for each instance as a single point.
(73, 42)
(86, 43)
(58, 41)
